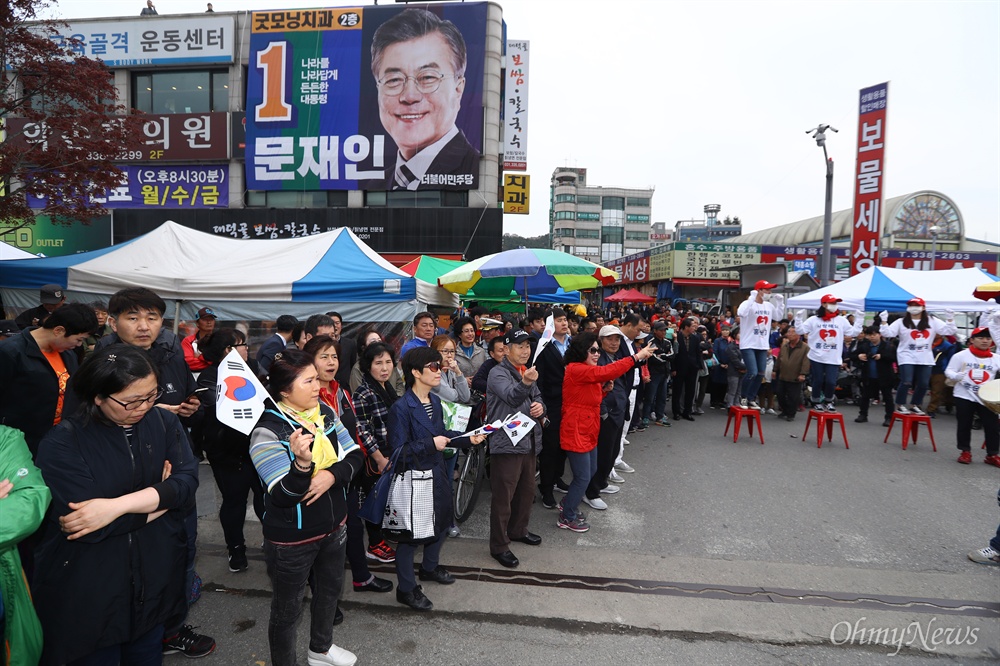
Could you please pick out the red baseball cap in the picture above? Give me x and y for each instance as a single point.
(764, 284)
(917, 301)
(830, 298)
(981, 332)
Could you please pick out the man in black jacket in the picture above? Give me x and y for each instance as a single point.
(684, 370)
(51, 297)
(551, 369)
(659, 370)
(35, 367)
(277, 342)
(875, 356)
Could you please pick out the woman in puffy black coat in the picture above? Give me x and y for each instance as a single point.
(110, 565)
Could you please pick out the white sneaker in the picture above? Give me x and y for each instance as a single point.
(754, 405)
(610, 489)
(626, 442)
(335, 656)
(830, 407)
(916, 410)
(615, 477)
(598, 504)
(743, 403)
(770, 411)
(902, 409)
(623, 466)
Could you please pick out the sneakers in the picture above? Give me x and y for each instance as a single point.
(189, 643)
(992, 460)
(453, 531)
(576, 525)
(985, 556)
(753, 404)
(663, 422)
(610, 489)
(381, 552)
(579, 514)
(902, 409)
(743, 403)
(830, 407)
(771, 411)
(548, 500)
(335, 656)
(916, 410)
(238, 559)
(698, 411)
(623, 466)
(965, 458)
(644, 424)
(598, 503)
(615, 477)
(886, 423)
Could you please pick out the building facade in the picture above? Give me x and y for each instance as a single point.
(227, 154)
(594, 222)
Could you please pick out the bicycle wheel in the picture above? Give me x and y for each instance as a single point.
(469, 482)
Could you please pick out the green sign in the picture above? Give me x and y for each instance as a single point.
(57, 240)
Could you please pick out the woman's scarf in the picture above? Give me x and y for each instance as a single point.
(312, 420)
(385, 392)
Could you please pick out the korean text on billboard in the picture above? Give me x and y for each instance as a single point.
(165, 187)
(869, 177)
(515, 117)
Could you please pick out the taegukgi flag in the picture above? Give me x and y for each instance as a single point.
(239, 394)
(517, 426)
(550, 330)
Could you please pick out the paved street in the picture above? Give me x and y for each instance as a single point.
(713, 553)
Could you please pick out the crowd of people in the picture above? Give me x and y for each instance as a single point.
(104, 514)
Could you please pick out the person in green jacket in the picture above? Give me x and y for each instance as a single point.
(24, 498)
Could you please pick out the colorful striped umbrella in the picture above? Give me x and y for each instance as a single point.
(526, 271)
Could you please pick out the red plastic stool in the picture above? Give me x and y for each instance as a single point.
(911, 423)
(825, 421)
(751, 415)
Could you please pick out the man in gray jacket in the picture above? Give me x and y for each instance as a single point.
(510, 389)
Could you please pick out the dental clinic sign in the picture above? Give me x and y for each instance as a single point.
(869, 180)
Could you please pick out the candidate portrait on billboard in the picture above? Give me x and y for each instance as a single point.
(375, 98)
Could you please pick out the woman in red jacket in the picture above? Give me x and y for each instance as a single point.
(583, 390)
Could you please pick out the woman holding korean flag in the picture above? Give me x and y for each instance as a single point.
(916, 331)
(826, 331)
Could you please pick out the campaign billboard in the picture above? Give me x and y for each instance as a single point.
(165, 187)
(150, 40)
(866, 232)
(376, 98)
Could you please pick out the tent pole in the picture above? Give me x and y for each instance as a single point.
(177, 316)
(525, 295)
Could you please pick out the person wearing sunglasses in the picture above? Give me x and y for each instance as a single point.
(113, 553)
(584, 386)
(416, 425)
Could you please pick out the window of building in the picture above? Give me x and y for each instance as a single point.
(636, 235)
(612, 235)
(291, 199)
(638, 201)
(588, 233)
(588, 200)
(565, 198)
(417, 199)
(199, 91)
(565, 215)
(595, 217)
(563, 233)
(613, 203)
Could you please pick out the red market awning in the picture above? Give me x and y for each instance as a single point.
(630, 296)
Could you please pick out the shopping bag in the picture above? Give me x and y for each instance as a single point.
(373, 508)
(409, 512)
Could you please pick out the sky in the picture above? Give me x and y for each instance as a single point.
(709, 101)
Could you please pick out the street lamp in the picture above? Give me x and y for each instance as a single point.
(826, 268)
(934, 231)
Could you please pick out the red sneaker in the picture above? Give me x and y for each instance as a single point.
(965, 458)
(992, 460)
(381, 552)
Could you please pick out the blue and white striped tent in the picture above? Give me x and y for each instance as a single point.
(239, 279)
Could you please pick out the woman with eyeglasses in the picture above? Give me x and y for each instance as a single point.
(306, 458)
(453, 388)
(583, 389)
(112, 551)
(416, 425)
(228, 451)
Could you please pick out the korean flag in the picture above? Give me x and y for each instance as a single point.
(517, 426)
(240, 395)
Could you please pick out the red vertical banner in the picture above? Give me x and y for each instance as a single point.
(866, 234)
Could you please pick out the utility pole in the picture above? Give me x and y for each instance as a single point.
(826, 264)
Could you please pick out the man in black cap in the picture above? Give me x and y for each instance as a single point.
(510, 389)
(192, 355)
(51, 297)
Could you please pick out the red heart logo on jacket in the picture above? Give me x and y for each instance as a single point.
(916, 335)
(825, 333)
(986, 377)
(761, 319)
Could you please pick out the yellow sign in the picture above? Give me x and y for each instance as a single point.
(516, 191)
(307, 20)
(699, 263)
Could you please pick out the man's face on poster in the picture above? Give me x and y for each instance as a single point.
(416, 119)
